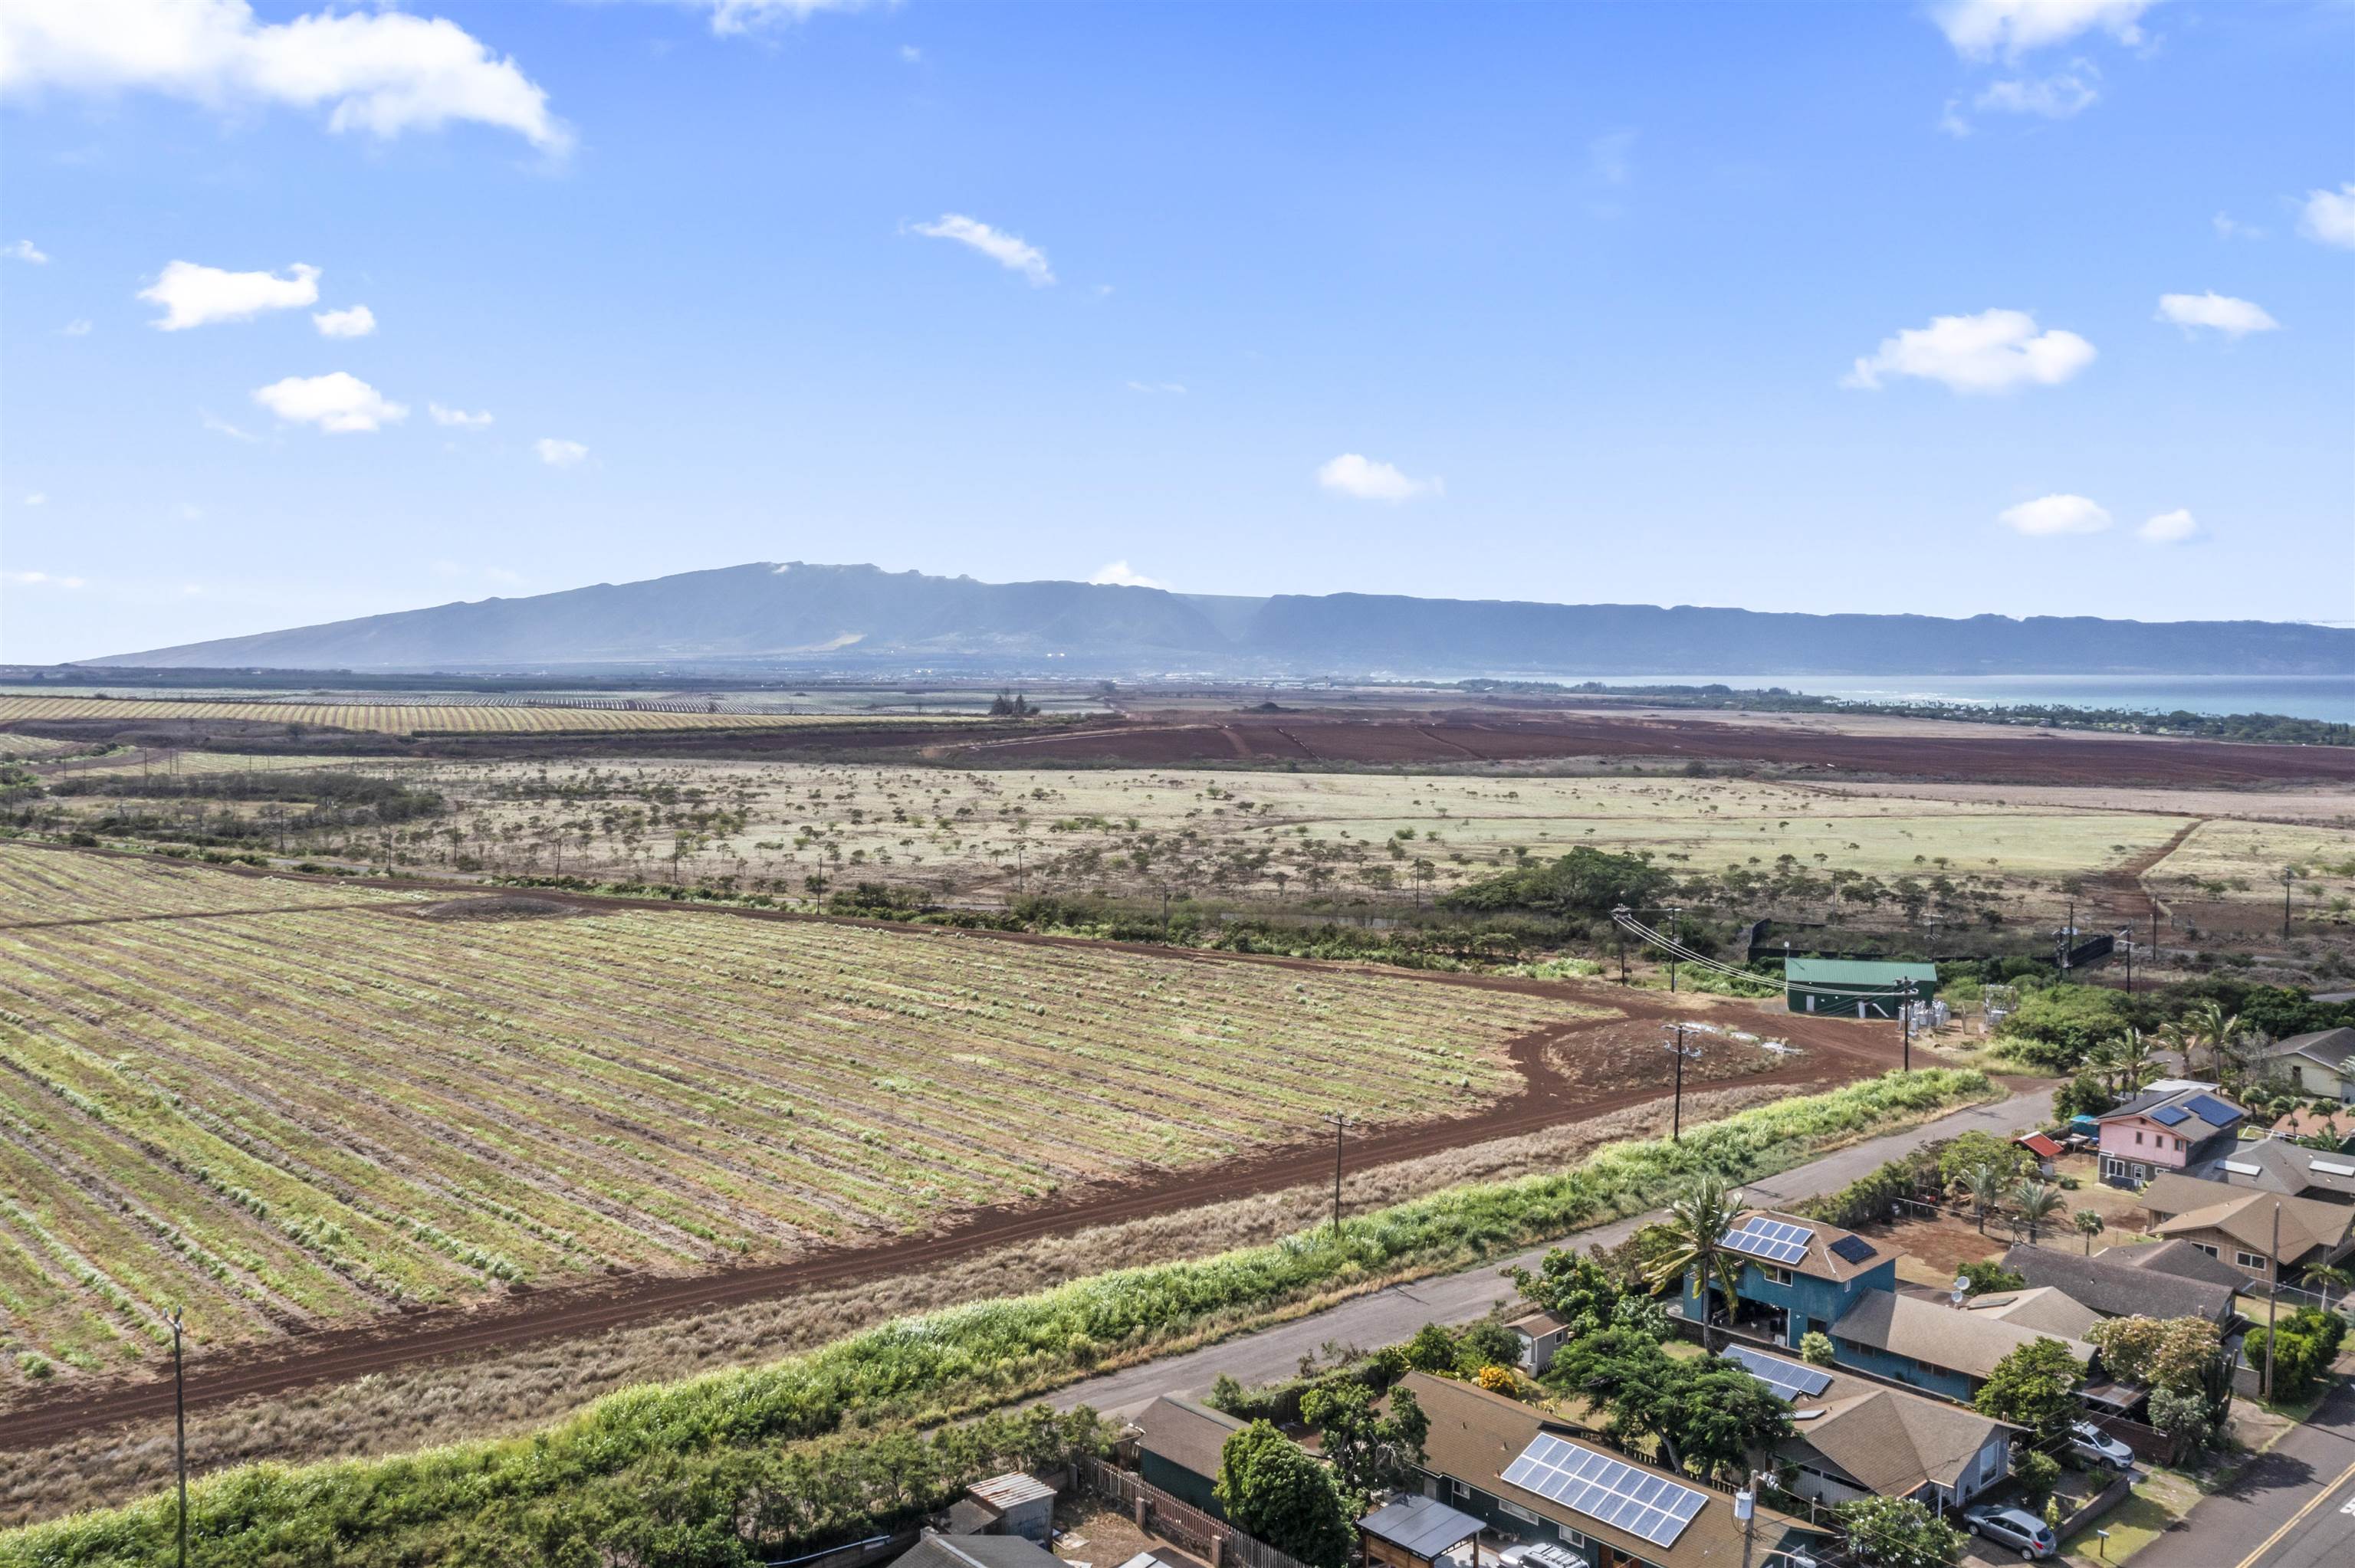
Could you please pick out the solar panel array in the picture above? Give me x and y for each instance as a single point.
(1789, 1380)
(1856, 1249)
(2171, 1116)
(2211, 1110)
(1778, 1241)
(1619, 1494)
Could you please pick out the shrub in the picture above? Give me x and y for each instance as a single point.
(1898, 1533)
(1815, 1348)
(2183, 1416)
(2055, 1028)
(2036, 1471)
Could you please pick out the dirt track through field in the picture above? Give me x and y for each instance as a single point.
(1839, 1052)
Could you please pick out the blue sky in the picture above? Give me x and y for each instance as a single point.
(1826, 308)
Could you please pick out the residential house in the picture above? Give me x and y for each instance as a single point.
(1528, 1475)
(1541, 1333)
(2270, 1165)
(2163, 1130)
(936, 1551)
(2315, 1065)
(1854, 1437)
(1929, 1344)
(1797, 1277)
(2114, 1287)
(2338, 1129)
(2045, 1308)
(2237, 1225)
(2178, 1260)
(1011, 1504)
(1178, 1446)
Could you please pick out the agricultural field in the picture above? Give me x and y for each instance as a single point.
(305, 1118)
(2228, 860)
(389, 718)
(39, 886)
(1263, 832)
(17, 748)
(136, 761)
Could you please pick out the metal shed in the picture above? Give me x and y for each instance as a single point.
(1857, 988)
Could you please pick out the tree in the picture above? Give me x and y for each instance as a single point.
(1815, 1348)
(2184, 1418)
(1370, 1451)
(1273, 1490)
(1986, 1184)
(2170, 1353)
(1691, 1248)
(2090, 1223)
(1628, 1376)
(2058, 1028)
(1487, 1343)
(1898, 1533)
(1585, 882)
(2037, 1203)
(1985, 1275)
(1433, 1349)
(2035, 1387)
(1723, 1418)
(1966, 1151)
(2325, 1278)
(1573, 1287)
(2036, 1471)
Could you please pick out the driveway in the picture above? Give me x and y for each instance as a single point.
(2293, 1508)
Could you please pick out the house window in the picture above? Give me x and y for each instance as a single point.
(1518, 1512)
(2203, 1246)
(1463, 1493)
(2141, 1171)
(2113, 1166)
(2249, 1260)
(1570, 1537)
(1773, 1275)
(2137, 1135)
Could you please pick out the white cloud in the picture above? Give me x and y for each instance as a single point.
(2230, 227)
(743, 15)
(42, 580)
(2234, 318)
(1118, 574)
(458, 417)
(1175, 388)
(191, 512)
(911, 54)
(36, 499)
(358, 322)
(2170, 527)
(1951, 120)
(2055, 97)
(556, 453)
(1366, 480)
(1609, 155)
(2328, 217)
(77, 327)
(196, 296)
(1004, 248)
(2051, 515)
(1981, 30)
(222, 427)
(25, 250)
(382, 72)
(339, 403)
(1994, 351)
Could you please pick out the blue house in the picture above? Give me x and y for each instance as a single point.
(1799, 1277)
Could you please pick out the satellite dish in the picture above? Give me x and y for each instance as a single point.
(1962, 1283)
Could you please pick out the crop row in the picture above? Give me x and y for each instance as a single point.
(293, 1117)
(405, 719)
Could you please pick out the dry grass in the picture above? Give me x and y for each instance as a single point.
(517, 1391)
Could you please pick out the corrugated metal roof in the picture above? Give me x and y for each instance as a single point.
(1855, 972)
(1003, 1492)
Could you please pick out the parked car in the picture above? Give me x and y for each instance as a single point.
(1540, 1554)
(2095, 1446)
(2013, 1527)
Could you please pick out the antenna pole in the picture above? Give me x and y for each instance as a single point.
(1340, 1124)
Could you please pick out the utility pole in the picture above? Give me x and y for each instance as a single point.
(2128, 937)
(2273, 1298)
(2068, 935)
(2288, 872)
(1905, 1021)
(1676, 937)
(1681, 1053)
(180, 1422)
(1619, 915)
(1340, 1124)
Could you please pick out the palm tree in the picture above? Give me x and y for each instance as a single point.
(2037, 1202)
(1691, 1244)
(2326, 1277)
(2204, 1023)
(2090, 1225)
(1987, 1191)
(2135, 1064)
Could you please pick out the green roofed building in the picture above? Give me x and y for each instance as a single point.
(1860, 988)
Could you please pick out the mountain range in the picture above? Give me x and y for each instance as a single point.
(794, 615)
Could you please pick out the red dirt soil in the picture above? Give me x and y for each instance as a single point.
(1839, 1052)
(2039, 756)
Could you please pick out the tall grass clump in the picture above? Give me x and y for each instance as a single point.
(695, 1443)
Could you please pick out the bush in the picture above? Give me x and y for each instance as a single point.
(2037, 1472)
(1986, 1275)
(2055, 1028)
(1898, 1533)
(1815, 1348)
(2183, 1416)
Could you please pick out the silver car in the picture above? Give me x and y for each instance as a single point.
(2095, 1446)
(2013, 1527)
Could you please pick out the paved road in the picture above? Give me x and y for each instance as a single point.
(2295, 1508)
(1388, 1316)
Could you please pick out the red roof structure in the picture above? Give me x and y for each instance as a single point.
(2038, 1145)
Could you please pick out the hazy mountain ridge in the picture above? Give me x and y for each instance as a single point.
(795, 613)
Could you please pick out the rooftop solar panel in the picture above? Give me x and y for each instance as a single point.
(2328, 1168)
(2171, 1116)
(2211, 1110)
(1855, 1249)
(1778, 1241)
(1617, 1493)
(1789, 1380)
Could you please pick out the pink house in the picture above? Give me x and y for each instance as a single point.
(2158, 1131)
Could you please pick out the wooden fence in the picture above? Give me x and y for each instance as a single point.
(1213, 1539)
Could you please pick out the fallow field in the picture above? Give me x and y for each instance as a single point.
(309, 1116)
(390, 718)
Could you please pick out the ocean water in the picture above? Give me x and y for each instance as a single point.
(2328, 697)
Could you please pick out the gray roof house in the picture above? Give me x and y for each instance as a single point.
(2116, 1287)
(1853, 1437)
(1930, 1344)
(2179, 1259)
(977, 1551)
(2312, 1062)
(2291, 1170)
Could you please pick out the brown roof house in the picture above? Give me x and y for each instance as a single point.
(1855, 1437)
(1526, 1475)
(1932, 1345)
(2236, 1225)
(2112, 1288)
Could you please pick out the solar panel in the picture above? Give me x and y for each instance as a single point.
(2169, 1116)
(2209, 1109)
(2242, 1168)
(2327, 1169)
(1855, 1249)
(1599, 1486)
(1778, 1241)
(1789, 1380)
